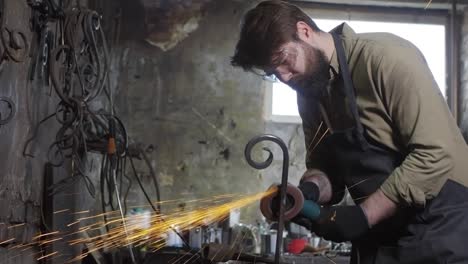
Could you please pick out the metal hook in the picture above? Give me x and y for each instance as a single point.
(284, 179)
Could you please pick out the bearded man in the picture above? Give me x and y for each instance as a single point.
(392, 141)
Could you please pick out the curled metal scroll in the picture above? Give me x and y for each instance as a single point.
(284, 179)
(15, 44)
(5, 119)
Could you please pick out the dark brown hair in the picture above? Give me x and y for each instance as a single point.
(264, 29)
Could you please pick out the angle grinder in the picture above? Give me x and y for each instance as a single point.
(295, 205)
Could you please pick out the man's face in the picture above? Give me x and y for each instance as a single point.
(302, 67)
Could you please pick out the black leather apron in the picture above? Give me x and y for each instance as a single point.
(350, 158)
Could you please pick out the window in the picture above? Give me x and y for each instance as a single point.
(429, 38)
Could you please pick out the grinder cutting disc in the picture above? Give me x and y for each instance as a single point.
(294, 203)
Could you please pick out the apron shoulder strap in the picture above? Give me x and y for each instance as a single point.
(347, 81)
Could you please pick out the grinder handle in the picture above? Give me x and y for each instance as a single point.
(311, 210)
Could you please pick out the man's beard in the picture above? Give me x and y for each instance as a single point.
(314, 81)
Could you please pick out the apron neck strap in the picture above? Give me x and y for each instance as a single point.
(348, 87)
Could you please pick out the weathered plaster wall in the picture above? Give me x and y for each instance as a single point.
(20, 176)
(293, 136)
(194, 107)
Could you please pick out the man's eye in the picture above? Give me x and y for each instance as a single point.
(283, 60)
(290, 59)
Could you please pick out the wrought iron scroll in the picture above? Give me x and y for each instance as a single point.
(284, 179)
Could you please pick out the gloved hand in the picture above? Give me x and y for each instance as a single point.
(311, 192)
(341, 223)
(302, 221)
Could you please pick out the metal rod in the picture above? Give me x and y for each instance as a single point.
(284, 180)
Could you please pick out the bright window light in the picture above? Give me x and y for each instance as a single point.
(430, 39)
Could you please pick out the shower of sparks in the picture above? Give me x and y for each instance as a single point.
(6, 241)
(151, 233)
(316, 133)
(81, 212)
(311, 147)
(61, 211)
(48, 255)
(320, 140)
(428, 4)
(15, 226)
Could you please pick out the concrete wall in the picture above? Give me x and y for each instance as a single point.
(195, 108)
(20, 176)
(23, 212)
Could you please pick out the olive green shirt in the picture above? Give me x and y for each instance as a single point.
(401, 107)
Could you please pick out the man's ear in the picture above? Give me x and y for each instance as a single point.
(304, 31)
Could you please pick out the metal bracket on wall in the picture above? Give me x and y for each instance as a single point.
(5, 103)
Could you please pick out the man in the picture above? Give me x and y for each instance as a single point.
(389, 137)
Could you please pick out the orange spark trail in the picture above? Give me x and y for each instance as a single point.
(196, 213)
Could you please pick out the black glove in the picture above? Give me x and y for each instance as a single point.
(341, 223)
(302, 221)
(310, 191)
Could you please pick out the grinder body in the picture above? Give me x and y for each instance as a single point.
(310, 210)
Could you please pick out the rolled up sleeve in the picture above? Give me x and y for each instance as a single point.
(420, 117)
